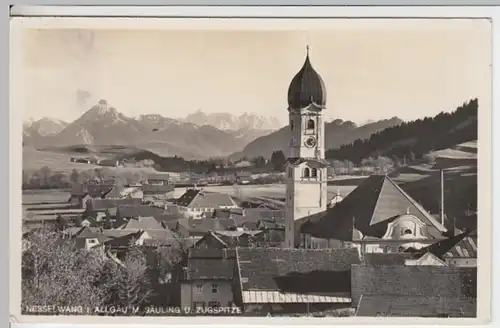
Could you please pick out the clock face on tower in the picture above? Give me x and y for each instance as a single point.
(310, 142)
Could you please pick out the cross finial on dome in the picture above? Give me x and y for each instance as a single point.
(307, 50)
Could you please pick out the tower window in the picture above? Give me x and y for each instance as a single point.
(314, 173)
(307, 173)
(291, 125)
(310, 125)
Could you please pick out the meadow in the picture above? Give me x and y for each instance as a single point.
(265, 191)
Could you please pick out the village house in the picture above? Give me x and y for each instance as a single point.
(228, 239)
(208, 280)
(89, 238)
(389, 220)
(195, 202)
(102, 207)
(295, 281)
(82, 192)
(243, 177)
(158, 179)
(125, 192)
(410, 291)
(125, 212)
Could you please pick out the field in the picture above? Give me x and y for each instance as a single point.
(59, 161)
(266, 191)
(45, 196)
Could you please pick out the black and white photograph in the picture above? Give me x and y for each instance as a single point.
(322, 172)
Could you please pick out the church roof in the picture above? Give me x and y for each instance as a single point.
(369, 208)
(312, 162)
(307, 88)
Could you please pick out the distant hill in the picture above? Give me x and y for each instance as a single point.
(105, 125)
(34, 130)
(413, 139)
(337, 133)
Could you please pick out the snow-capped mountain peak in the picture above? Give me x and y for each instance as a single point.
(227, 121)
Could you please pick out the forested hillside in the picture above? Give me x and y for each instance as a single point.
(416, 138)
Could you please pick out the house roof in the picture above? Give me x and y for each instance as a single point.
(124, 240)
(416, 306)
(201, 227)
(143, 223)
(128, 211)
(115, 233)
(163, 236)
(429, 281)
(312, 163)
(104, 204)
(115, 192)
(463, 245)
(195, 198)
(383, 201)
(211, 264)
(296, 270)
(87, 232)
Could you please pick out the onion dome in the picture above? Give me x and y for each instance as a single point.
(307, 87)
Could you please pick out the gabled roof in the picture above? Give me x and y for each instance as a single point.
(124, 240)
(195, 198)
(163, 236)
(377, 201)
(115, 233)
(463, 245)
(211, 264)
(296, 270)
(115, 192)
(143, 223)
(87, 232)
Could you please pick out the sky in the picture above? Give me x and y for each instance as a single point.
(406, 68)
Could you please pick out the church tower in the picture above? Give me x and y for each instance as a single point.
(306, 169)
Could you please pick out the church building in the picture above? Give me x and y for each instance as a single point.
(378, 216)
(306, 169)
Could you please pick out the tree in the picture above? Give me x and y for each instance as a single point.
(259, 161)
(55, 272)
(45, 173)
(74, 176)
(278, 160)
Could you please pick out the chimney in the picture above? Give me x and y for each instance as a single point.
(441, 214)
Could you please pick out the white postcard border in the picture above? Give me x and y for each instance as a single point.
(15, 155)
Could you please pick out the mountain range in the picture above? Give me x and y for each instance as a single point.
(227, 121)
(198, 136)
(337, 133)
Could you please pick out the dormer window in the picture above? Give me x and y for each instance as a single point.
(407, 232)
(307, 172)
(310, 126)
(314, 173)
